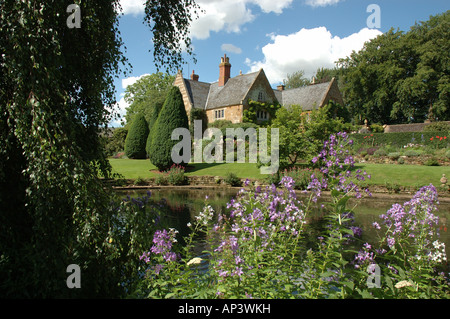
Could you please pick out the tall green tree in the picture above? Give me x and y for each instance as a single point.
(302, 133)
(146, 94)
(172, 115)
(295, 80)
(151, 124)
(54, 84)
(401, 77)
(137, 138)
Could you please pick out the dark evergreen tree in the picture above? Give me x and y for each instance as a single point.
(172, 115)
(137, 138)
(154, 116)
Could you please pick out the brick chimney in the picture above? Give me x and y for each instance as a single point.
(280, 87)
(194, 77)
(225, 68)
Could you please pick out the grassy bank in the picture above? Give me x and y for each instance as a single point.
(402, 175)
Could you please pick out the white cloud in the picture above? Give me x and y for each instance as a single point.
(131, 80)
(227, 47)
(121, 109)
(133, 7)
(230, 15)
(307, 50)
(321, 3)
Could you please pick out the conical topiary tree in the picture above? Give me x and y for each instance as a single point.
(137, 138)
(151, 125)
(172, 116)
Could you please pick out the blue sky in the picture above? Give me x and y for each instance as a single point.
(280, 36)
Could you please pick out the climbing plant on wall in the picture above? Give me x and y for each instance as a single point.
(250, 114)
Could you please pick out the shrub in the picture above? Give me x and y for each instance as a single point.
(437, 127)
(401, 160)
(302, 177)
(380, 152)
(371, 150)
(232, 180)
(447, 154)
(401, 139)
(392, 187)
(411, 153)
(431, 162)
(394, 155)
(137, 138)
(375, 128)
(161, 179)
(175, 175)
(151, 125)
(140, 181)
(172, 115)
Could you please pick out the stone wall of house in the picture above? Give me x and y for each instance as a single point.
(232, 113)
(179, 81)
(261, 84)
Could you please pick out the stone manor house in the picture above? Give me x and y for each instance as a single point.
(228, 98)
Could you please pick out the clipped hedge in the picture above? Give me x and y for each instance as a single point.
(137, 138)
(172, 115)
(401, 139)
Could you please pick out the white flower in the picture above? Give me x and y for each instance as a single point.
(403, 283)
(194, 261)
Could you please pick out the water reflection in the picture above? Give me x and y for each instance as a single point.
(184, 204)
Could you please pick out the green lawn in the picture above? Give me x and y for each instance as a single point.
(132, 169)
(404, 175)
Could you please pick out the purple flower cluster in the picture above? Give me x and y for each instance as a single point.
(335, 162)
(412, 219)
(163, 241)
(257, 217)
(413, 223)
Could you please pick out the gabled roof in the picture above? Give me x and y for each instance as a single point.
(308, 97)
(210, 95)
(232, 93)
(198, 92)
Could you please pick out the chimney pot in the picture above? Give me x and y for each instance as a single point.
(280, 87)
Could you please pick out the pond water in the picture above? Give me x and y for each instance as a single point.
(184, 204)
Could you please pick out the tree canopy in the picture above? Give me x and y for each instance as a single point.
(295, 80)
(56, 89)
(147, 94)
(401, 77)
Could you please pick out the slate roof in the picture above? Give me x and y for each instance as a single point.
(210, 95)
(198, 92)
(308, 97)
(232, 93)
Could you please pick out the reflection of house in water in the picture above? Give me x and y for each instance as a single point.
(227, 98)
